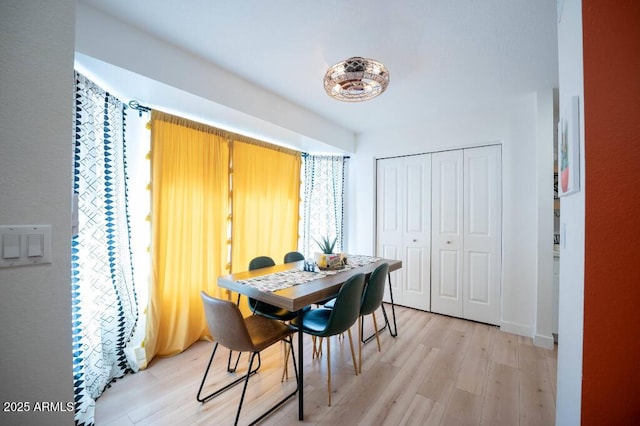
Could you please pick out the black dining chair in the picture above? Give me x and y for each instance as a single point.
(252, 334)
(265, 309)
(324, 322)
(293, 256)
(268, 310)
(371, 301)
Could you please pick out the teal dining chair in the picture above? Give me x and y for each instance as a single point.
(324, 322)
(293, 256)
(371, 301)
(265, 309)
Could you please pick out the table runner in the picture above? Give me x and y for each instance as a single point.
(281, 280)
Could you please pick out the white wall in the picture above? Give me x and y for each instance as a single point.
(572, 210)
(515, 127)
(36, 87)
(544, 158)
(520, 220)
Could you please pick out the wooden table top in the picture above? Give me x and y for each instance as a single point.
(298, 296)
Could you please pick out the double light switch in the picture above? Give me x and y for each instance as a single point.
(25, 245)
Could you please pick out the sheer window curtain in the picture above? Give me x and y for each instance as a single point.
(322, 205)
(104, 305)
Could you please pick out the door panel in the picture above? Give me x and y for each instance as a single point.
(448, 284)
(477, 188)
(390, 206)
(415, 271)
(482, 236)
(403, 220)
(389, 227)
(446, 233)
(417, 230)
(415, 198)
(479, 280)
(449, 192)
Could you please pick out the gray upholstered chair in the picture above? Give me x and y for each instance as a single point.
(252, 334)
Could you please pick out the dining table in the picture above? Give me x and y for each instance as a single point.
(290, 287)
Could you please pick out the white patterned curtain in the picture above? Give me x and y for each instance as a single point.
(322, 202)
(103, 298)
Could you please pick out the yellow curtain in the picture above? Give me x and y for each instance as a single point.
(190, 209)
(266, 196)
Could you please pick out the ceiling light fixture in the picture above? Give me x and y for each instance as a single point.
(356, 79)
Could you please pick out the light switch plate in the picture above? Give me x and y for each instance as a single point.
(10, 246)
(23, 245)
(35, 245)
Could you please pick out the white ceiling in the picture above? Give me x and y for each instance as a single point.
(442, 55)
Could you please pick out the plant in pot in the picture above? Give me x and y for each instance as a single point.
(327, 259)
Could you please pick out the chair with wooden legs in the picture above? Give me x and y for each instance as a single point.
(252, 334)
(324, 322)
(371, 301)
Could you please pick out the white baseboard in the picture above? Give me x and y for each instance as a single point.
(513, 328)
(540, 340)
(543, 341)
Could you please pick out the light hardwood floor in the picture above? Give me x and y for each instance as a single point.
(438, 371)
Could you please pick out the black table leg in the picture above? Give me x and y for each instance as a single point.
(300, 369)
(394, 332)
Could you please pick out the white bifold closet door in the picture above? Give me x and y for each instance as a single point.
(466, 233)
(403, 226)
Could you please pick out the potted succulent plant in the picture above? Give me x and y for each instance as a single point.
(327, 259)
(326, 245)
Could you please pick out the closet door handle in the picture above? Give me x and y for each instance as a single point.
(448, 242)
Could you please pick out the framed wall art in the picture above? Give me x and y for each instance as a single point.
(569, 149)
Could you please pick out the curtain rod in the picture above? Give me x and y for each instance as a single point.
(133, 104)
(306, 154)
